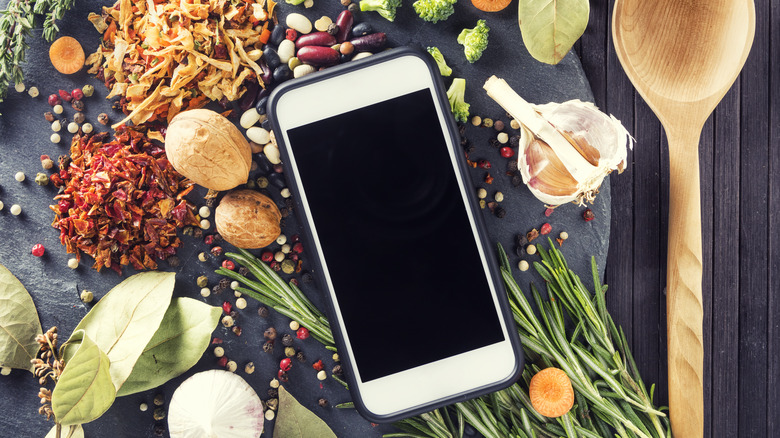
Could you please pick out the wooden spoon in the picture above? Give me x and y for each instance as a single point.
(682, 56)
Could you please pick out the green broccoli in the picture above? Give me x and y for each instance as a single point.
(444, 69)
(385, 8)
(474, 41)
(455, 94)
(434, 10)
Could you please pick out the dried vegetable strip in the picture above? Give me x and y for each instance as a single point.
(120, 201)
(164, 57)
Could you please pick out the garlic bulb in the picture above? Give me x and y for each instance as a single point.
(215, 404)
(566, 149)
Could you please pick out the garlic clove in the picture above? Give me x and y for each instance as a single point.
(215, 403)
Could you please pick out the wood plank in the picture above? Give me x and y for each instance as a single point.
(724, 374)
(647, 280)
(753, 246)
(708, 183)
(773, 334)
(618, 273)
(593, 50)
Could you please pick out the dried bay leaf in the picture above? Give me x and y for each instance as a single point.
(19, 323)
(124, 321)
(551, 27)
(75, 431)
(295, 421)
(84, 391)
(178, 344)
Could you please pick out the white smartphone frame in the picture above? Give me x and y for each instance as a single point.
(455, 378)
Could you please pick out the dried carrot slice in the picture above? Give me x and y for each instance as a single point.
(66, 55)
(491, 5)
(551, 392)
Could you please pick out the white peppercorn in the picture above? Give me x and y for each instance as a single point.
(279, 256)
(285, 192)
(269, 415)
(204, 211)
(281, 240)
(19, 86)
(55, 138)
(205, 292)
(322, 375)
(87, 128)
(274, 383)
(33, 92)
(56, 126)
(232, 366)
(73, 127)
(503, 137)
(499, 197)
(286, 248)
(523, 265)
(219, 351)
(531, 249)
(19, 176)
(234, 284)
(514, 124)
(481, 193)
(58, 109)
(294, 325)
(205, 224)
(564, 235)
(241, 303)
(73, 263)
(16, 210)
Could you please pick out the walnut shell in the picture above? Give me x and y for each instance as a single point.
(207, 148)
(248, 219)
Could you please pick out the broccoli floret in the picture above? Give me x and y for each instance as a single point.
(434, 10)
(385, 8)
(474, 41)
(455, 94)
(444, 69)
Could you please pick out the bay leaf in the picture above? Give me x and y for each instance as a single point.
(123, 322)
(19, 323)
(75, 431)
(183, 336)
(295, 421)
(84, 391)
(551, 27)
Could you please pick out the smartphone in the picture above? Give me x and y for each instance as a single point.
(417, 305)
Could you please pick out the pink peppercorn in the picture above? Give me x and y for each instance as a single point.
(228, 264)
(302, 333)
(285, 364)
(222, 361)
(38, 250)
(227, 307)
(54, 100)
(267, 256)
(298, 248)
(507, 152)
(209, 239)
(291, 34)
(65, 96)
(77, 93)
(546, 228)
(548, 212)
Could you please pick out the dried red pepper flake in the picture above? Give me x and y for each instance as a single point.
(227, 307)
(488, 179)
(549, 212)
(222, 361)
(546, 228)
(120, 201)
(531, 235)
(318, 365)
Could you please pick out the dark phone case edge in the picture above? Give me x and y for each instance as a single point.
(472, 204)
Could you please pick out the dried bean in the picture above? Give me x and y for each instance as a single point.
(318, 56)
(286, 51)
(277, 35)
(361, 29)
(370, 43)
(344, 22)
(271, 58)
(315, 39)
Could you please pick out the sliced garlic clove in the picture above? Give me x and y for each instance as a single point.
(213, 404)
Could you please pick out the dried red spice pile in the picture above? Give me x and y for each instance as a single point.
(120, 201)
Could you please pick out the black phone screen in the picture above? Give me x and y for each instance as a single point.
(395, 235)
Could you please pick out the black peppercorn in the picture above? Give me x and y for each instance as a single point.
(159, 430)
(273, 392)
(217, 251)
(514, 141)
(263, 311)
(102, 118)
(237, 330)
(287, 340)
(243, 271)
(218, 238)
(338, 371)
(511, 165)
(173, 261)
(323, 402)
(333, 29)
(77, 105)
(224, 283)
(500, 212)
(307, 278)
(268, 347)
(353, 8)
(495, 143)
(300, 356)
(517, 180)
(197, 233)
(284, 211)
(270, 333)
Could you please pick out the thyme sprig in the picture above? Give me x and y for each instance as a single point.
(16, 24)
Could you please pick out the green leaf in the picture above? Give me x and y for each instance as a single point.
(75, 431)
(19, 323)
(84, 391)
(178, 344)
(551, 27)
(295, 421)
(124, 321)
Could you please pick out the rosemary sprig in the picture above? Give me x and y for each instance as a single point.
(16, 22)
(611, 399)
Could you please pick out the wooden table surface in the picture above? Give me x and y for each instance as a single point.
(740, 180)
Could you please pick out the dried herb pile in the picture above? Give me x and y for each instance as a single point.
(121, 201)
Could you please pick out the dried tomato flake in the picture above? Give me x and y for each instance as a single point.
(120, 201)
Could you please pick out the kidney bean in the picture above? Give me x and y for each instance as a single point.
(315, 39)
(344, 22)
(267, 72)
(271, 58)
(362, 29)
(370, 43)
(248, 99)
(319, 56)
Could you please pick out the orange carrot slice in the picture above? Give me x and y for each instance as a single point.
(551, 392)
(66, 55)
(491, 5)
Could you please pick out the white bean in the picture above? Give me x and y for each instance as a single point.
(286, 51)
(258, 135)
(272, 153)
(249, 118)
(299, 23)
(303, 70)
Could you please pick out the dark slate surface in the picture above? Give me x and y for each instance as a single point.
(24, 136)
(740, 231)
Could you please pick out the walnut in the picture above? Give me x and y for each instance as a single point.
(207, 148)
(248, 219)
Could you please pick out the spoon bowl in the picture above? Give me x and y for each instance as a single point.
(683, 56)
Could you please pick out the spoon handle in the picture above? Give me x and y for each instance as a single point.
(683, 286)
